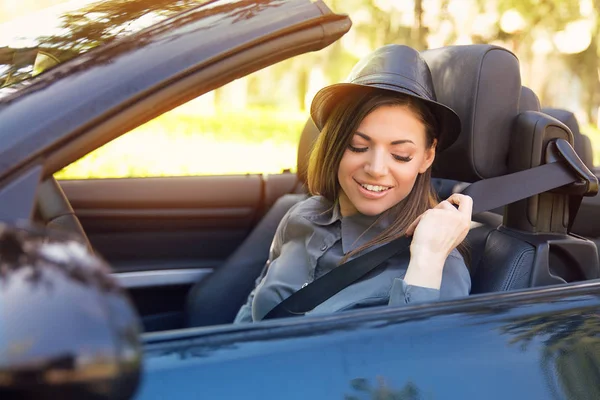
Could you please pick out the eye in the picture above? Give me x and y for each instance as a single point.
(400, 158)
(357, 149)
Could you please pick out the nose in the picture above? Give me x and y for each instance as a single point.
(377, 166)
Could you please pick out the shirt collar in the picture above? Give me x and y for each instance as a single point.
(359, 229)
(356, 230)
(325, 215)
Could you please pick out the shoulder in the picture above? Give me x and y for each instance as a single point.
(302, 216)
(315, 209)
(313, 206)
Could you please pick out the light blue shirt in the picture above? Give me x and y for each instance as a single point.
(311, 240)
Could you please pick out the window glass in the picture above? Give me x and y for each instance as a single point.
(252, 125)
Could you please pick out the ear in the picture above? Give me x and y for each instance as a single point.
(429, 157)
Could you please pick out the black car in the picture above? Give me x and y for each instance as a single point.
(188, 249)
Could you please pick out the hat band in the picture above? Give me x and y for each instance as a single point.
(395, 88)
(386, 79)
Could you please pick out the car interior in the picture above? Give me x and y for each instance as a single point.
(190, 249)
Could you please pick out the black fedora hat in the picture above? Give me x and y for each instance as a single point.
(392, 69)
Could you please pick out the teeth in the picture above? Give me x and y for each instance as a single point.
(374, 188)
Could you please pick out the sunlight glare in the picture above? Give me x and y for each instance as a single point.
(576, 37)
(512, 21)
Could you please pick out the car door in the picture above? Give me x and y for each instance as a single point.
(161, 235)
(533, 344)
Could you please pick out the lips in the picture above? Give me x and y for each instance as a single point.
(373, 191)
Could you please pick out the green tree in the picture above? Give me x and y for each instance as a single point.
(546, 17)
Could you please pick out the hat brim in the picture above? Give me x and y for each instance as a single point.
(326, 99)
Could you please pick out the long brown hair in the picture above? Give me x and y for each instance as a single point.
(333, 141)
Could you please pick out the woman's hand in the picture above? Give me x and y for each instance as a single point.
(436, 233)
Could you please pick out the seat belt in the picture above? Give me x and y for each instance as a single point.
(487, 194)
(492, 193)
(321, 289)
(499, 191)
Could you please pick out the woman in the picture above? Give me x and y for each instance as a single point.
(369, 174)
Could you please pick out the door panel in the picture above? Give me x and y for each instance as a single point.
(162, 235)
(166, 223)
(170, 288)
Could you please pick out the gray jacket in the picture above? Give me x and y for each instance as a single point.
(311, 240)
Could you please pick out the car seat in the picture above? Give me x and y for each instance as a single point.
(581, 143)
(500, 136)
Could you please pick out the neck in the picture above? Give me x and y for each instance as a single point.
(346, 207)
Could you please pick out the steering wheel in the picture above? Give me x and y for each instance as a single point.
(56, 211)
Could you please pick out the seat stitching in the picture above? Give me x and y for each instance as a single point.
(513, 270)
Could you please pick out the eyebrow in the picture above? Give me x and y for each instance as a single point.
(366, 137)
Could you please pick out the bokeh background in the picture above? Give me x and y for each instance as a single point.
(253, 124)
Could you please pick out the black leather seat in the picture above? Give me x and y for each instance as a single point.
(483, 223)
(504, 132)
(581, 143)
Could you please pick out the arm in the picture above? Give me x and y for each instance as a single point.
(245, 312)
(455, 282)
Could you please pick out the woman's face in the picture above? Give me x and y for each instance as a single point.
(380, 166)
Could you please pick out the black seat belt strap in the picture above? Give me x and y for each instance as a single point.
(341, 277)
(563, 169)
(492, 193)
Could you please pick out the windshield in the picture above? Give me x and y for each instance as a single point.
(32, 42)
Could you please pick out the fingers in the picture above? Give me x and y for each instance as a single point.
(464, 203)
(445, 205)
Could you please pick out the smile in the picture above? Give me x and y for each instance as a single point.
(373, 191)
(375, 188)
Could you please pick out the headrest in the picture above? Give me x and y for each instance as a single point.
(529, 100)
(581, 143)
(307, 139)
(482, 83)
(564, 116)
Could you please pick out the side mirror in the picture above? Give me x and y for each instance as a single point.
(67, 330)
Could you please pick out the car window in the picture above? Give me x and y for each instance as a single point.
(252, 125)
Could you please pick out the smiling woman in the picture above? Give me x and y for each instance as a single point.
(370, 177)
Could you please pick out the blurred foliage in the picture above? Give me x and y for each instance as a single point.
(255, 140)
(103, 22)
(593, 132)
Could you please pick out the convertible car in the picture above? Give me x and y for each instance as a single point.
(184, 252)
